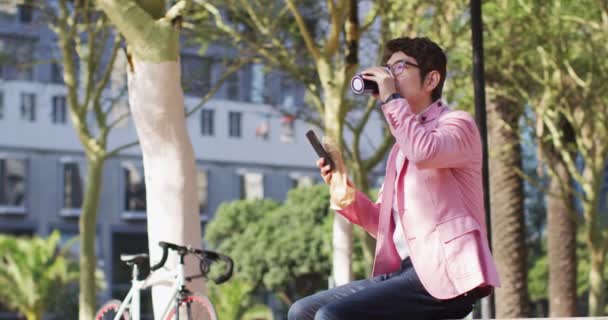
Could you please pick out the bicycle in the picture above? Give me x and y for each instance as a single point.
(183, 300)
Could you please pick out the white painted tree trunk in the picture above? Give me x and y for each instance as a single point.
(157, 105)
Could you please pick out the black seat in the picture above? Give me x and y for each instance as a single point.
(139, 259)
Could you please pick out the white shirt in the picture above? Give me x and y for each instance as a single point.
(398, 235)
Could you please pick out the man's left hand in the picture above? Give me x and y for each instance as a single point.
(385, 80)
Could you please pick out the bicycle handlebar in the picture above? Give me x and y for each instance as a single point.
(214, 256)
(161, 263)
(206, 255)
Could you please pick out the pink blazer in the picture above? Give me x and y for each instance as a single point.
(441, 206)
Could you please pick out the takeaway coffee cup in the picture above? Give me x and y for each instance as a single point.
(362, 86)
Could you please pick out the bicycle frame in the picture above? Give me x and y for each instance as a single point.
(132, 300)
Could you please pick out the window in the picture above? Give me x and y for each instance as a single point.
(262, 130)
(301, 181)
(287, 93)
(135, 191)
(234, 124)
(28, 107)
(25, 11)
(207, 122)
(257, 83)
(56, 73)
(59, 109)
(16, 56)
(252, 186)
(287, 129)
(73, 186)
(203, 191)
(196, 74)
(13, 184)
(1, 105)
(233, 86)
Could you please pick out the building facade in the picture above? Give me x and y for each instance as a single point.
(244, 148)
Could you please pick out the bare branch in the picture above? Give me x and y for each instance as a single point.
(308, 39)
(118, 120)
(336, 20)
(231, 70)
(380, 153)
(178, 9)
(120, 149)
(371, 17)
(100, 115)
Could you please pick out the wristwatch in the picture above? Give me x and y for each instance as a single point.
(393, 96)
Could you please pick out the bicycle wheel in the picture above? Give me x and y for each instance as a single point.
(108, 311)
(194, 307)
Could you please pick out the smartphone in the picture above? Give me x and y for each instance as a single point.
(321, 152)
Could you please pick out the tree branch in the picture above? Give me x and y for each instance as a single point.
(121, 148)
(118, 120)
(371, 162)
(333, 39)
(132, 21)
(178, 9)
(104, 80)
(231, 70)
(308, 39)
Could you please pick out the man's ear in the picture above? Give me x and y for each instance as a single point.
(432, 80)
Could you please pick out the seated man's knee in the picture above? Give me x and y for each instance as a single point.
(327, 313)
(300, 310)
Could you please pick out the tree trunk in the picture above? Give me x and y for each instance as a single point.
(342, 239)
(87, 224)
(561, 237)
(169, 165)
(596, 273)
(156, 99)
(506, 201)
(368, 242)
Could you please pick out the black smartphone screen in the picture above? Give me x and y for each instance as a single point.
(321, 152)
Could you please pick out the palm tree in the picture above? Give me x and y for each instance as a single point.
(507, 209)
(561, 237)
(32, 271)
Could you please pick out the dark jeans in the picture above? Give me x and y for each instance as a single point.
(398, 295)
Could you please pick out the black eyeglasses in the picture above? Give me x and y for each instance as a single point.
(398, 67)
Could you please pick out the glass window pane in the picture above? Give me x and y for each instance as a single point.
(203, 191)
(252, 186)
(233, 86)
(257, 83)
(234, 124)
(17, 55)
(28, 107)
(12, 182)
(25, 11)
(72, 185)
(304, 181)
(207, 122)
(56, 73)
(135, 188)
(287, 129)
(196, 74)
(59, 109)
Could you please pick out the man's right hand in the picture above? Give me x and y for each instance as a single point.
(325, 170)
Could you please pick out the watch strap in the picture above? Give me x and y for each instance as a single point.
(393, 96)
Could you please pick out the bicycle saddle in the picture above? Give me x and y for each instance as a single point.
(138, 259)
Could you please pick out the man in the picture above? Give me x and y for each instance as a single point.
(432, 257)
